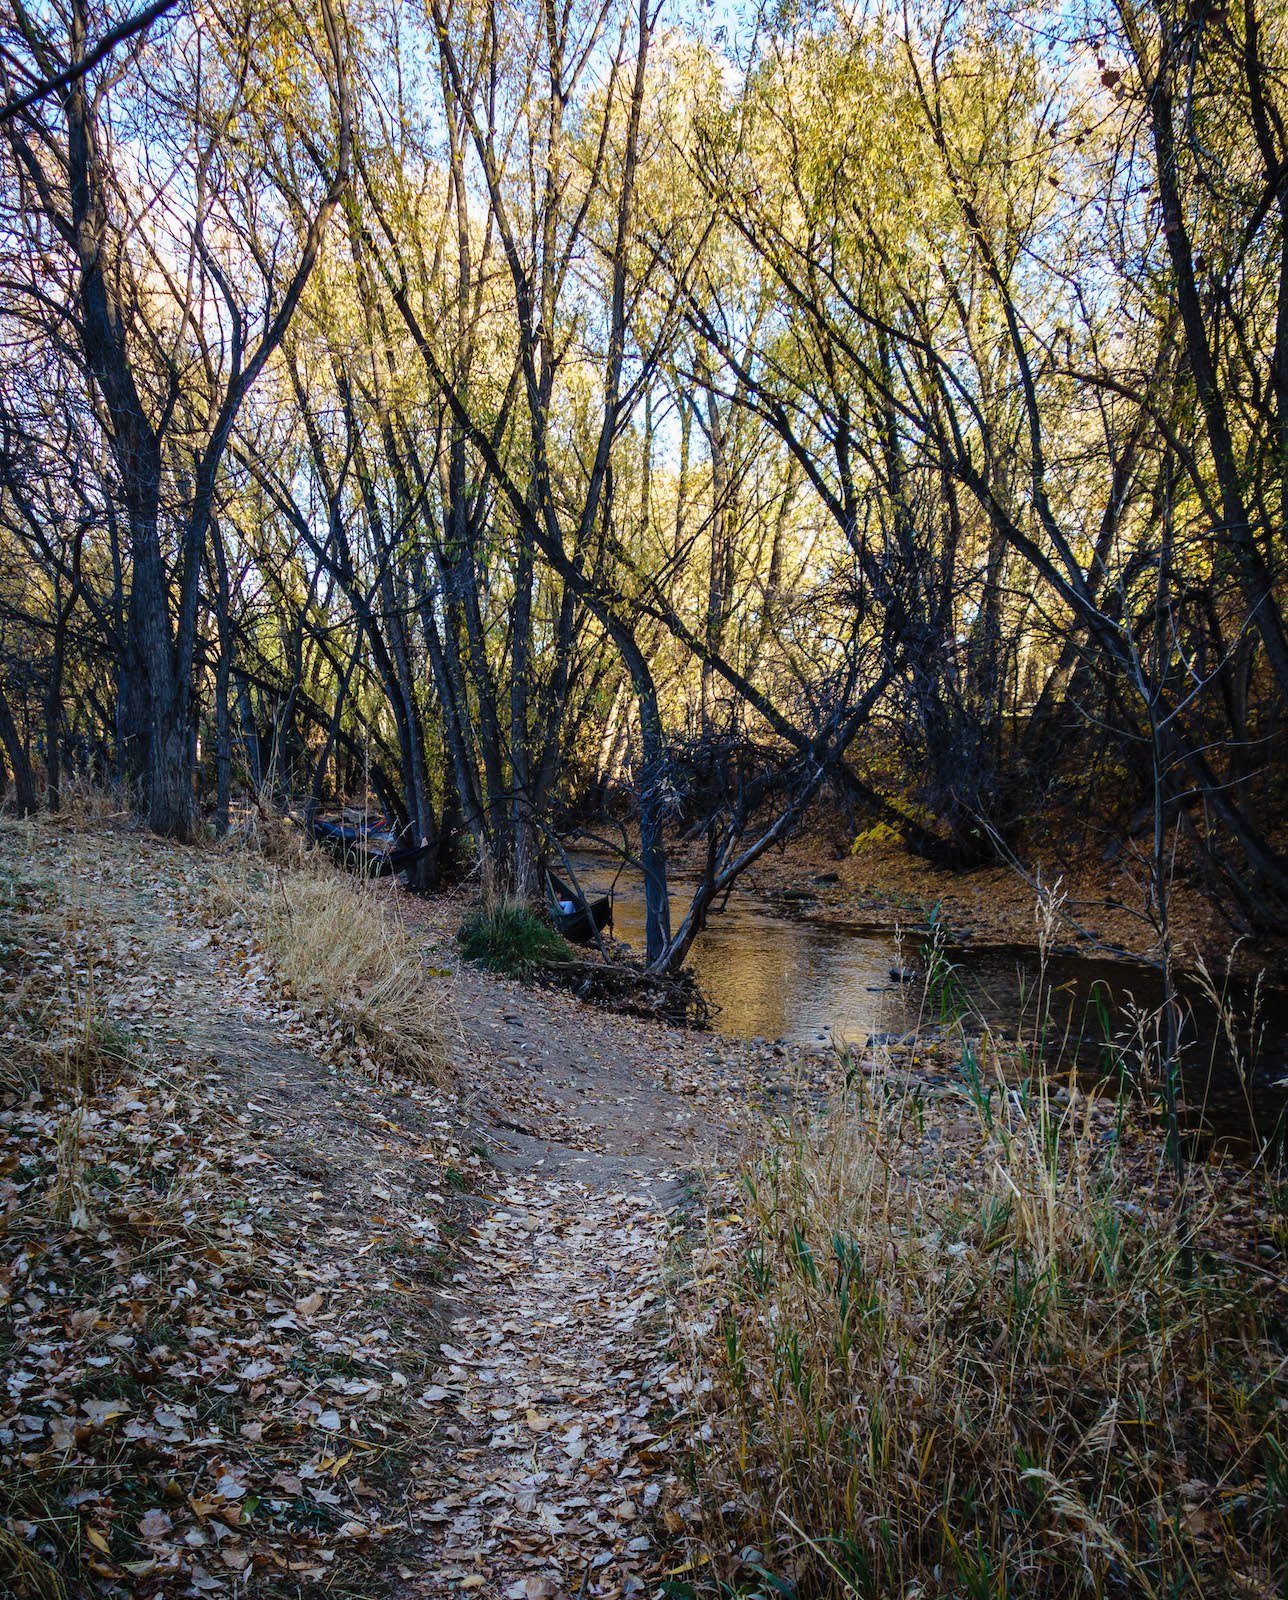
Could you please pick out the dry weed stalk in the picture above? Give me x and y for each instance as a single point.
(69, 1202)
(948, 1352)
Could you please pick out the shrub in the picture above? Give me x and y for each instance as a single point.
(511, 939)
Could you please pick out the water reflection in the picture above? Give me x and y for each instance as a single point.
(776, 974)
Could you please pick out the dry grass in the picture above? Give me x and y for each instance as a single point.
(950, 1349)
(334, 941)
(26, 1574)
(337, 943)
(82, 802)
(261, 829)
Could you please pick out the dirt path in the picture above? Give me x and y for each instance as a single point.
(546, 1473)
(454, 1372)
(557, 1376)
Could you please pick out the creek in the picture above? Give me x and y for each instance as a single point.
(775, 970)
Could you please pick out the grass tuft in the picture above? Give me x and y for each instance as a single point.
(511, 939)
(335, 942)
(25, 1573)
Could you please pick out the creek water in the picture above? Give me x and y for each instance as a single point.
(773, 971)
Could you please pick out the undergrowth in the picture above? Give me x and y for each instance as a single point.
(334, 943)
(512, 940)
(961, 1355)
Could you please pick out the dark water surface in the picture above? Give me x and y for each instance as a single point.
(778, 974)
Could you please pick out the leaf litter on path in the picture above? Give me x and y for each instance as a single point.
(553, 1384)
(229, 1258)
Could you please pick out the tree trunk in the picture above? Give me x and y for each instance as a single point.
(53, 738)
(720, 564)
(332, 733)
(526, 887)
(170, 780)
(25, 788)
(223, 743)
(654, 797)
(54, 699)
(133, 728)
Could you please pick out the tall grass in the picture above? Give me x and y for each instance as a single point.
(949, 1347)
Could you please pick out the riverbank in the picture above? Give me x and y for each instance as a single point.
(875, 880)
(278, 1310)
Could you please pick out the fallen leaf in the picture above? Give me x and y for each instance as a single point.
(154, 1525)
(101, 1412)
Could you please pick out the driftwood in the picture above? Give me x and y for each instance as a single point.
(631, 990)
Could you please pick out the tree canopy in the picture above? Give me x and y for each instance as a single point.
(521, 414)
